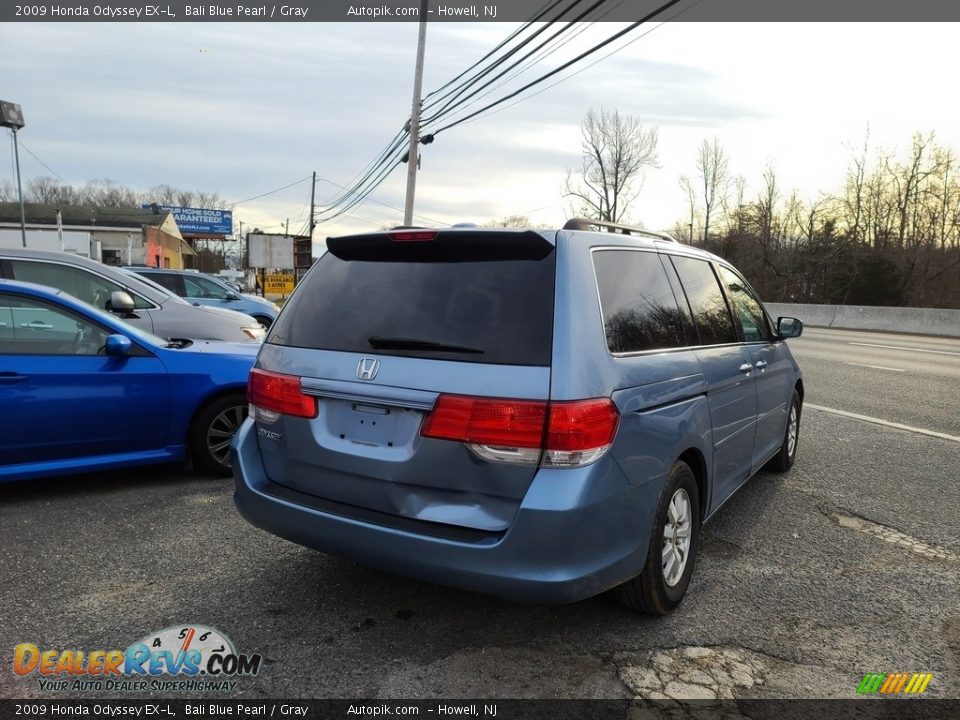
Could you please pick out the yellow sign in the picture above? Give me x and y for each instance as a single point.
(279, 284)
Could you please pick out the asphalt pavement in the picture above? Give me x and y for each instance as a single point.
(848, 564)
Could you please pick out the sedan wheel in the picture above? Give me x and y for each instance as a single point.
(213, 429)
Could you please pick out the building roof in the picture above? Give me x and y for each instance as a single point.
(81, 215)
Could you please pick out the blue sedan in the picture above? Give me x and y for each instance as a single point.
(82, 391)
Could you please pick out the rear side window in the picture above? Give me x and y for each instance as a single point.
(707, 303)
(639, 309)
(494, 310)
(83, 285)
(168, 280)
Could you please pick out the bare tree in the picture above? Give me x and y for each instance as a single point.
(616, 150)
(514, 221)
(712, 163)
(690, 191)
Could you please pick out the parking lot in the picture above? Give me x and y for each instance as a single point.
(848, 564)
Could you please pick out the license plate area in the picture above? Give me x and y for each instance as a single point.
(356, 427)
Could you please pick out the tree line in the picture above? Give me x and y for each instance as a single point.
(888, 235)
(105, 193)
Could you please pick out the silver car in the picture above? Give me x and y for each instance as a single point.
(140, 303)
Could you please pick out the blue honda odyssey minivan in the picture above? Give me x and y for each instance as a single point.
(539, 415)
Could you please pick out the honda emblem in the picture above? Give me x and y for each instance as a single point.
(367, 368)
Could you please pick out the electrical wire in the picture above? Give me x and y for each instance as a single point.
(564, 66)
(37, 158)
(386, 205)
(451, 98)
(544, 9)
(270, 192)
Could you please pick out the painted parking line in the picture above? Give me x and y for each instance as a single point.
(908, 349)
(877, 367)
(885, 423)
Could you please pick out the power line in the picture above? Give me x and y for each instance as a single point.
(564, 66)
(271, 192)
(451, 97)
(378, 202)
(37, 158)
(540, 13)
(590, 65)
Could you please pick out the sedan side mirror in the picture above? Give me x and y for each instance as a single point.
(788, 327)
(233, 296)
(118, 345)
(120, 302)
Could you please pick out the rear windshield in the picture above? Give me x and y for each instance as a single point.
(496, 311)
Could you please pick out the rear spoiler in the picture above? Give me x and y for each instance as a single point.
(432, 245)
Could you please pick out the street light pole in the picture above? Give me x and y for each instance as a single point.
(11, 116)
(23, 215)
(414, 153)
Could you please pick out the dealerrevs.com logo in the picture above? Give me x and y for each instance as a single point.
(179, 658)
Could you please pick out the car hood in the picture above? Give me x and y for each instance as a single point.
(258, 299)
(232, 314)
(219, 347)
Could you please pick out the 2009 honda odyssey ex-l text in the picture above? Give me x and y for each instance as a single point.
(539, 415)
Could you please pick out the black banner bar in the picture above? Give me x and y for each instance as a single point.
(469, 11)
(918, 708)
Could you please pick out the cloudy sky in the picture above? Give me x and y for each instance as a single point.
(242, 109)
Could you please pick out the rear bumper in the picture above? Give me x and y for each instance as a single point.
(578, 533)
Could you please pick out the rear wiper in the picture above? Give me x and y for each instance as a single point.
(399, 343)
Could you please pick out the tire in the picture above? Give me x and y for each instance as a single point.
(783, 460)
(660, 588)
(214, 424)
(263, 320)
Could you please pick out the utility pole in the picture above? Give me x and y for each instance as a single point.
(313, 192)
(23, 215)
(414, 153)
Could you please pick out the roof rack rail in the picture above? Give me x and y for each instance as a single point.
(587, 223)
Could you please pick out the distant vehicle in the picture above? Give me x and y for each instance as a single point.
(85, 391)
(203, 289)
(226, 281)
(540, 415)
(151, 310)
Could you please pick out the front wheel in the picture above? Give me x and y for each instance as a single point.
(783, 460)
(213, 429)
(673, 548)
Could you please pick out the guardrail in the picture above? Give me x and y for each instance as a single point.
(923, 321)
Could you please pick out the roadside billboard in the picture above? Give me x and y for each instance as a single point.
(270, 251)
(203, 221)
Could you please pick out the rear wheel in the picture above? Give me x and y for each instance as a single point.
(673, 548)
(783, 460)
(213, 428)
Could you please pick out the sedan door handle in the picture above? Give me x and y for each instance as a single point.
(11, 378)
(37, 325)
(746, 368)
(761, 364)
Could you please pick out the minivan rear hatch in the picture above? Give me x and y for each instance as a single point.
(384, 330)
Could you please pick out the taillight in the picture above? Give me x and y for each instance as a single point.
(412, 235)
(579, 432)
(567, 434)
(272, 394)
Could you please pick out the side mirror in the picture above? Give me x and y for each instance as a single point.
(788, 327)
(118, 345)
(120, 302)
(233, 296)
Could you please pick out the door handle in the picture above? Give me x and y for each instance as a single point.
(746, 368)
(37, 325)
(11, 378)
(761, 364)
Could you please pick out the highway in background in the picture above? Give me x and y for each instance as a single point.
(908, 379)
(848, 564)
